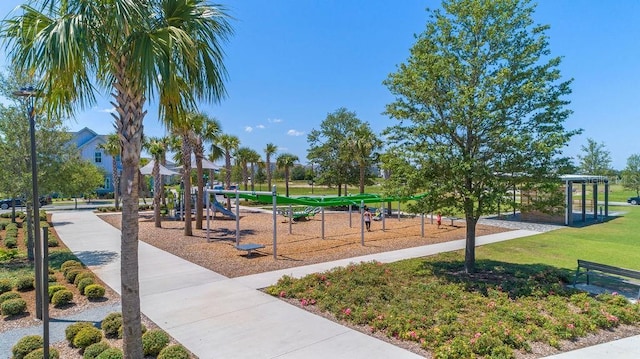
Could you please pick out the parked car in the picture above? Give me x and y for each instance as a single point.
(7, 203)
(634, 200)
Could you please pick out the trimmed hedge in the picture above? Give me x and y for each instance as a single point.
(84, 283)
(87, 336)
(39, 354)
(111, 324)
(82, 275)
(94, 291)
(9, 295)
(70, 263)
(70, 274)
(154, 341)
(26, 345)
(71, 330)
(13, 307)
(25, 283)
(53, 289)
(111, 353)
(175, 351)
(61, 297)
(93, 350)
(5, 286)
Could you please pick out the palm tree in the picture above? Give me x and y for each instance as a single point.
(269, 150)
(112, 148)
(253, 158)
(134, 49)
(229, 143)
(362, 144)
(285, 161)
(157, 148)
(181, 127)
(205, 129)
(243, 156)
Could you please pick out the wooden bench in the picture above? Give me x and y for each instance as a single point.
(606, 269)
(249, 247)
(452, 219)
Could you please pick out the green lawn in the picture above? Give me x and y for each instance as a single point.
(518, 295)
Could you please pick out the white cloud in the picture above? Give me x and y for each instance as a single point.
(248, 129)
(274, 120)
(295, 133)
(260, 127)
(107, 110)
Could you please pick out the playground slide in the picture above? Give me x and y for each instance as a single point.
(220, 208)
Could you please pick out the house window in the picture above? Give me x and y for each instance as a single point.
(107, 183)
(97, 157)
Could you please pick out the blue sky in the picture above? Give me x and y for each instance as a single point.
(291, 62)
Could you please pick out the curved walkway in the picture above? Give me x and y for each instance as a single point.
(218, 317)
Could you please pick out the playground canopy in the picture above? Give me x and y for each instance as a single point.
(327, 201)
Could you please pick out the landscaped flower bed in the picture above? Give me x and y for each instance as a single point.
(500, 309)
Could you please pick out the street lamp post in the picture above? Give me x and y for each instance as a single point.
(41, 261)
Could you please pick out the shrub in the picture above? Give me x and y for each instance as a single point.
(39, 354)
(26, 345)
(13, 306)
(9, 295)
(71, 274)
(81, 276)
(111, 324)
(51, 278)
(94, 291)
(10, 242)
(6, 255)
(53, 289)
(154, 341)
(25, 283)
(61, 297)
(93, 350)
(111, 353)
(84, 283)
(174, 352)
(52, 242)
(87, 336)
(70, 263)
(5, 286)
(73, 329)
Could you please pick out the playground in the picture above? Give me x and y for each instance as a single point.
(304, 245)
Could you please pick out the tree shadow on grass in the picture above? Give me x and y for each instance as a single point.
(517, 280)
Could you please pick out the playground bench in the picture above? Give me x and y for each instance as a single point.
(452, 219)
(591, 267)
(249, 247)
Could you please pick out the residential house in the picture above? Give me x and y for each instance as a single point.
(88, 143)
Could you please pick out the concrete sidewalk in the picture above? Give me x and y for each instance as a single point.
(218, 317)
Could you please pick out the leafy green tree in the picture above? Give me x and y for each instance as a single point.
(298, 173)
(243, 157)
(331, 148)
(596, 159)
(83, 179)
(134, 50)
(478, 97)
(631, 174)
(285, 161)
(364, 145)
(269, 150)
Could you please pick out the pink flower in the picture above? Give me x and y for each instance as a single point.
(413, 334)
(570, 326)
(304, 302)
(347, 311)
(614, 293)
(283, 294)
(312, 301)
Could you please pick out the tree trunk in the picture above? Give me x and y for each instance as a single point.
(470, 248)
(227, 176)
(116, 181)
(269, 171)
(253, 177)
(286, 180)
(186, 179)
(200, 195)
(157, 190)
(362, 172)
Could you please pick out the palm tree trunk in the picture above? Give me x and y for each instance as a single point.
(200, 195)
(116, 182)
(157, 190)
(227, 176)
(269, 171)
(186, 179)
(362, 168)
(286, 180)
(129, 127)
